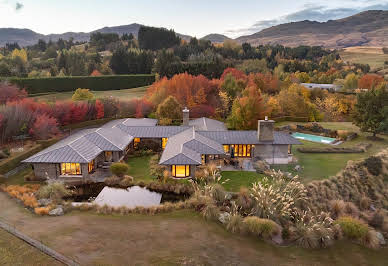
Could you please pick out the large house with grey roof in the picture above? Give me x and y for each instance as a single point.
(183, 148)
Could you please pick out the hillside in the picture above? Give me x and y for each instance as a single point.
(26, 37)
(369, 28)
(215, 38)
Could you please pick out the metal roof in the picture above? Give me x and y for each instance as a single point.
(247, 137)
(205, 123)
(152, 131)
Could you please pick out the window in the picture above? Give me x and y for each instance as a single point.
(70, 169)
(164, 142)
(180, 170)
(242, 150)
(226, 148)
(203, 158)
(91, 166)
(136, 142)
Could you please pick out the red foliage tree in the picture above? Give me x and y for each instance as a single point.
(266, 83)
(99, 109)
(143, 108)
(10, 92)
(95, 73)
(369, 81)
(44, 127)
(237, 74)
(202, 111)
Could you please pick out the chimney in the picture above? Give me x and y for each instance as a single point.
(186, 116)
(265, 130)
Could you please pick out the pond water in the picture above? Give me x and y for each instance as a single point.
(314, 138)
(131, 197)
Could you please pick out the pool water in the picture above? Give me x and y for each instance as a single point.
(314, 138)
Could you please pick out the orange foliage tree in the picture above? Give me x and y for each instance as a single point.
(369, 81)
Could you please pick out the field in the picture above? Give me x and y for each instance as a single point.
(126, 94)
(14, 251)
(373, 56)
(319, 166)
(177, 238)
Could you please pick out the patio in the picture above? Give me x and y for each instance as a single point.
(236, 164)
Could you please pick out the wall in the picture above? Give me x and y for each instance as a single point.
(273, 154)
(44, 170)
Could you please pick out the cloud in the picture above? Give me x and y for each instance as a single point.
(18, 6)
(311, 12)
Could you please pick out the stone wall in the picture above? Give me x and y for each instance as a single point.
(44, 170)
(272, 154)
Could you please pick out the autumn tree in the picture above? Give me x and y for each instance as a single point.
(44, 127)
(247, 110)
(371, 110)
(351, 81)
(169, 110)
(9, 92)
(82, 95)
(369, 81)
(231, 86)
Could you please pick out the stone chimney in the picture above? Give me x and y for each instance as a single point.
(186, 116)
(265, 130)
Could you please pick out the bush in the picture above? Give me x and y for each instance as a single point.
(99, 83)
(244, 200)
(337, 207)
(54, 191)
(112, 181)
(218, 193)
(119, 169)
(353, 228)
(234, 224)
(127, 181)
(42, 210)
(210, 212)
(260, 227)
(374, 165)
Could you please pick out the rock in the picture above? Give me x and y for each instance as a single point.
(262, 166)
(44, 202)
(381, 238)
(224, 217)
(228, 196)
(57, 211)
(298, 168)
(372, 208)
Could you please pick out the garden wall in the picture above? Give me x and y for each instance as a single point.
(98, 83)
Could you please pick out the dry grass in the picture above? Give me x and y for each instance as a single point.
(259, 227)
(25, 193)
(42, 210)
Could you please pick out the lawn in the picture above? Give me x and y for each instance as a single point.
(319, 166)
(373, 56)
(181, 237)
(126, 94)
(139, 168)
(14, 251)
(239, 179)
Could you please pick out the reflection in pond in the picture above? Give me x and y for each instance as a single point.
(131, 197)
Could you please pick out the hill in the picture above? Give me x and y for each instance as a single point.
(25, 37)
(215, 38)
(369, 28)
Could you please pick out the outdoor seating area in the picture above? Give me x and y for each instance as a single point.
(237, 164)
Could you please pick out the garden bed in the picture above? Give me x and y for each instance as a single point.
(360, 148)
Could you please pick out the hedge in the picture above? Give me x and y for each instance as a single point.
(98, 83)
(12, 162)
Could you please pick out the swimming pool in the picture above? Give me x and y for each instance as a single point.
(314, 138)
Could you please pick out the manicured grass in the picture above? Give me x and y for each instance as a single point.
(14, 251)
(323, 165)
(239, 179)
(374, 58)
(139, 168)
(126, 94)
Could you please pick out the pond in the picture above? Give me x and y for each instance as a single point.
(130, 197)
(313, 138)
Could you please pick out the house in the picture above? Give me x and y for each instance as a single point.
(329, 87)
(183, 148)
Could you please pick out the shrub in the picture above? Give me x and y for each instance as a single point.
(260, 227)
(378, 219)
(365, 203)
(351, 209)
(374, 165)
(210, 212)
(218, 193)
(337, 207)
(353, 228)
(54, 191)
(112, 181)
(127, 181)
(244, 200)
(42, 210)
(119, 169)
(234, 224)
(371, 240)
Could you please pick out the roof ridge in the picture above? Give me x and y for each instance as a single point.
(106, 139)
(204, 121)
(80, 153)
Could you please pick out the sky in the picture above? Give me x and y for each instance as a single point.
(192, 17)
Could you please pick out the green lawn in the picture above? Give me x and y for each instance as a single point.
(319, 166)
(14, 251)
(139, 168)
(126, 94)
(373, 59)
(239, 179)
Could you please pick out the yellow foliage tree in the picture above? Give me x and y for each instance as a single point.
(22, 54)
(82, 95)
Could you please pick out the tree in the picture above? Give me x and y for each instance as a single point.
(254, 66)
(22, 54)
(351, 81)
(151, 38)
(369, 81)
(371, 109)
(10, 92)
(247, 110)
(82, 95)
(44, 127)
(169, 109)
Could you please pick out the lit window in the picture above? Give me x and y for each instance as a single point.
(203, 157)
(136, 141)
(91, 166)
(241, 150)
(180, 170)
(164, 142)
(70, 169)
(108, 156)
(226, 148)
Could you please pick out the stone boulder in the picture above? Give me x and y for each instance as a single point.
(262, 167)
(57, 211)
(224, 217)
(381, 239)
(44, 202)
(298, 168)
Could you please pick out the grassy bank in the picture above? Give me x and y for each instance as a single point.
(236, 179)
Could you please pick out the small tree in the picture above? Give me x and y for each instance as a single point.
(371, 109)
(169, 109)
(82, 95)
(119, 169)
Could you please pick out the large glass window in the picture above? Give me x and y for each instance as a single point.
(70, 169)
(241, 150)
(226, 148)
(164, 142)
(180, 170)
(136, 142)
